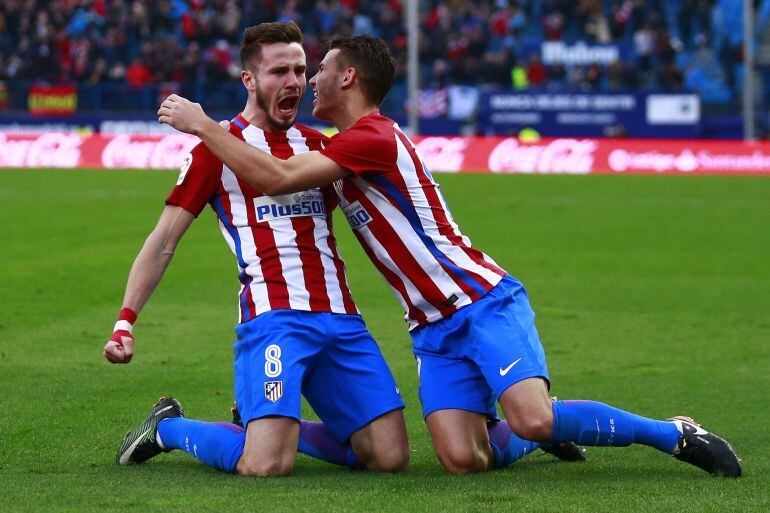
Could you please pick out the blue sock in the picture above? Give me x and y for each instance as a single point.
(594, 423)
(217, 444)
(316, 440)
(506, 446)
(220, 444)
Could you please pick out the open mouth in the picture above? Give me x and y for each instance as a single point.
(288, 104)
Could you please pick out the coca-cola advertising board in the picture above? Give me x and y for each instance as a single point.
(593, 156)
(440, 154)
(73, 150)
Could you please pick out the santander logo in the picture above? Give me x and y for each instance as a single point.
(571, 156)
(622, 160)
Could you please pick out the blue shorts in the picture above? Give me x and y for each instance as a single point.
(329, 358)
(466, 361)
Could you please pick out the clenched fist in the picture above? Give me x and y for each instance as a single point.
(182, 114)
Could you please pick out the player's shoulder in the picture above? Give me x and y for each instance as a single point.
(202, 155)
(373, 127)
(311, 134)
(376, 121)
(370, 129)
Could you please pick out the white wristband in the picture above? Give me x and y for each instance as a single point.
(123, 325)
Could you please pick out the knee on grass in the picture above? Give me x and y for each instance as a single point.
(384, 459)
(265, 467)
(535, 428)
(460, 459)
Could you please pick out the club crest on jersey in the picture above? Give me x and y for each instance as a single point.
(185, 167)
(357, 215)
(300, 204)
(273, 390)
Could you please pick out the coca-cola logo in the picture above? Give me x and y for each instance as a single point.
(571, 156)
(13, 153)
(445, 154)
(55, 150)
(45, 150)
(166, 152)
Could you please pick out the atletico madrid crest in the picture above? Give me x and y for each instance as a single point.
(273, 390)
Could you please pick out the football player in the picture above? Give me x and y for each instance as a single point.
(471, 323)
(299, 331)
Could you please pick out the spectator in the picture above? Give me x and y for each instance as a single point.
(644, 44)
(465, 41)
(593, 77)
(537, 73)
(519, 77)
(621, 17)
(557, 76)
(98, 72)
(597, 27)
(138, 74)
(670, 77)
(553, 25)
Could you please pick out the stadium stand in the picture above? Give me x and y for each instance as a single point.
(125, 54)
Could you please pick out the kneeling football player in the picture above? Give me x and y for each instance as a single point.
(299, 331)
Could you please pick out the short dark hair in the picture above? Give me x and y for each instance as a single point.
(372, 61)
(265, 34)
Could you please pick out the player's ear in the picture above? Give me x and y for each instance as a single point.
(249, 81)
(348, 78)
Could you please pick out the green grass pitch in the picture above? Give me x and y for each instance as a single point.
(652, 294)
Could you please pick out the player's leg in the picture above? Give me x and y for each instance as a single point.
(315, 438)
(457, 404)
(521, 382)
(270, 448)
(219, 445)
(317, 441)
(382, 445)
(534, 416)
(461, 441)
(353, 391)
(519, 375)
(271, 352)
(282, 348)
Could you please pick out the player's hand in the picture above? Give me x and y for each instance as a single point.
(225, 124)
(120, 347)
(182, 114)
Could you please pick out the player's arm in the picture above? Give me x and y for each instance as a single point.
(146, 273)
(266, 173)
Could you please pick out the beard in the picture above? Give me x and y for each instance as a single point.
(264, 103)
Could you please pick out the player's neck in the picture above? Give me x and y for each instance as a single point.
(350, 113)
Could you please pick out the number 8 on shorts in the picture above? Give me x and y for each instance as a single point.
(273, 365)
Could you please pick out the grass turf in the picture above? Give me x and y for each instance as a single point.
(652, 294)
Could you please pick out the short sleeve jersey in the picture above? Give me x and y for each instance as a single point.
(284, 246)
(401, 219)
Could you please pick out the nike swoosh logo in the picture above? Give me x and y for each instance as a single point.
(164, 409)
(503, 372)
(698, 430)
(130, 449)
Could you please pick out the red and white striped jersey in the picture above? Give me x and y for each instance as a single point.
(287, 256)
(401, 219)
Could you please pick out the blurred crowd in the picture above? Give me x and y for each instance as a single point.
(676, 44)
